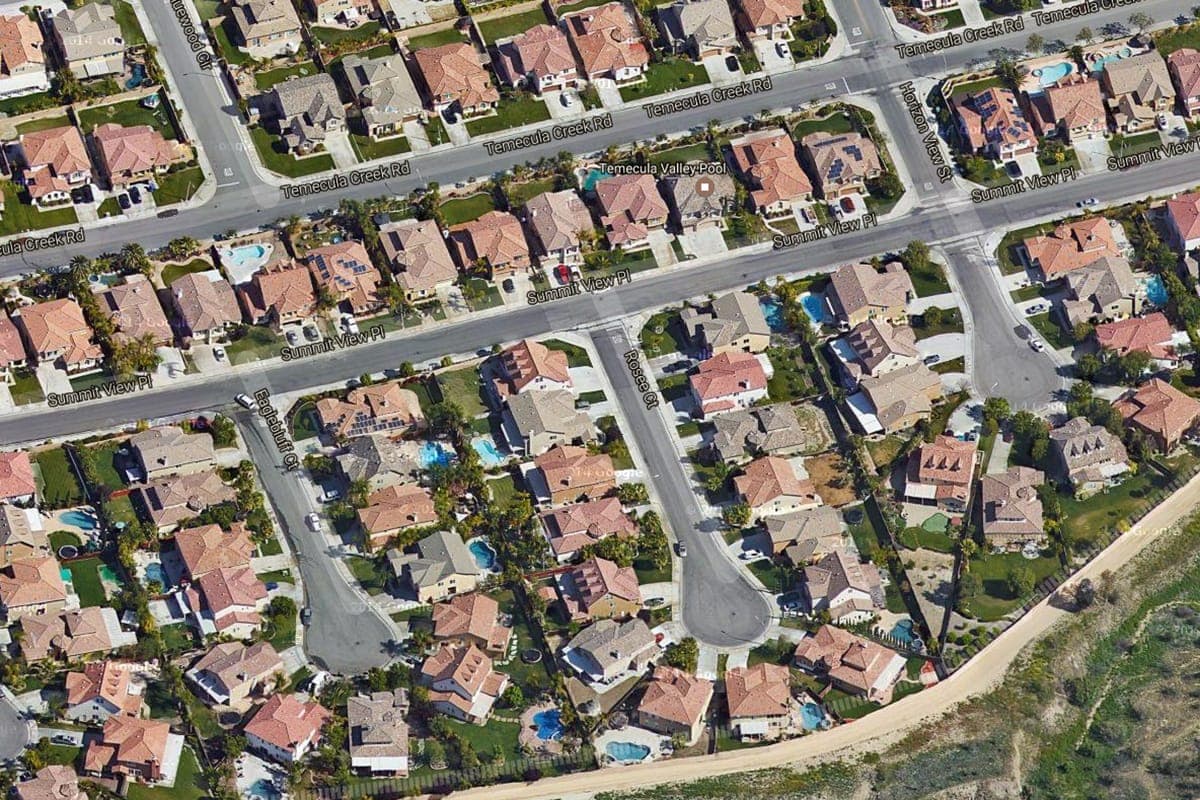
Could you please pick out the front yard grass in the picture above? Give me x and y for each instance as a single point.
(481, 294)
(131, 29)
(20, 216)
(1177, 38)
(512, 112)
(953, 365)
(950, 322)
(519, 194)
(836, 122)
(177, 186)
(258, 343)
(576, 355)
(1053, 333)
(665, 76)
(510, 25)
(462, 386)
(266, 80)
(368, 149)
(929, 279)
(368, 572)
(275, 157)
(26, 388)
(648, 573)
(59, 486)
(663, 333)
(775, 577)
(1006, 252)
(1137, 143)
(465, 209)
(127, 113)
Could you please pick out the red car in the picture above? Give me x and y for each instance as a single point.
(563, 273)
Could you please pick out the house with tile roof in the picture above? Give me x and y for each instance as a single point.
(205, 305)
(530, 365)
(17, 482)
(1184, 67)
(767, 19)
(22, 59)
(135, 153)
(378, 460)
(21, 535)
(1103, 291)
(278, 296)
(732, 322)
(440, 566)
(394, 509)
(417, 253)
(285, 729)
(172, 501)
(1072, 108)
(729, 381)
(378, 733)
(495, 242)
(841, 162)
(770, 486)
(1151, 334)
(572, 472)
(167, 450)
(384, 92)
(853, 664)
(859, 292)
(345, 271)
(1011, 509)
(873, 348)
(599, 589)
(849, 590)
(227, 601)
(345, 12)
(378, 408)
(52, 782)
(940, 473)
(32, 587)
(71, 635)
(305, 110)
(993, 124)
(675, 702)
(570, 528)
(56, 161)
(767, 162)
(12, 350)
(806, 536)
(1086, 456)
(231, 672)
(700, 202)
(473, 619)
(607, 43)
(759, 701)
(630, 208)
(699, 28)
(555, 221)
(607, 652)
(137, 749)
(103, 689)
(462, 683)
(265, 28)
(896, 400)
(1137, 89)
(540, 59)
(1165, 414)
(1183, 219)
(89, 40)
(134, 310)
(535, 421)
(453, 77)
(1071, 245)
(773, 430)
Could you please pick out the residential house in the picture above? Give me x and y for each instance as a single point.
(378, 460)
(134, 748)
(89, 40)
(1103, 291)
(32, 587)
(1070, 246)
(529, 364)
(764, 430)
(767, 162)
(494, 242)
(607, 43)
(1073, 108)
(1012, 509)
(333, 12)
(227, 602)
(384, 91)
(630, 208)
(169, 450)
(393, 509)
(993, 124)
(17, 483)
(1151, 334)
(1184, 66)
(699, 202)
(1087, 456)
(896, 400)
(849, 590)
(1165, 414)
(285, 729)
(206, 306)
(540, 59)
(759, 701)
(874, 348)
(1183, 218)
(454, 78)
(843, 163)
(419, 258)
(345, 271)
(536, 421)
(265, 28)
(462, 683)
(133, 308)
(599, 589)
(770, 487)
(608, 651)
(71, 635)
(378, 733)
(22, 59)
(135, 153)
(859, 292)
(306, 110)
(208, 548)
(1137, 88)
(555, 221)
(700, 28)
(278, 296)
(571, 528)
(473, 619)
(853, 664)
(733, 322)
(806, 536)
(52, 782)
(56, 161)
(12, 350)
(768, 19)
(171, 501)
(378, 408)
(729, 381)
(100, 690)
(22, 536)
(441, 566)
(231, 672)
(572, 472)
(675, 703)
(940, 473)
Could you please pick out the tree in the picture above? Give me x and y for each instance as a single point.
(1141, 21)
(1088, 366)
(888, 185)
(715, 482)
(996, 409)
(446, 418)
(1132, 365)
(182, 247)
(133, 259)
(932, 317)
(1084, 35)
(435, 754)
(613, 548)
(633, 494)
(1035, 44)
(132, 356)
(684, 654)
(224, 432)
(736, 515)
(513, 697)
(1020, 581)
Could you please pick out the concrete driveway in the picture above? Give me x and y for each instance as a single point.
(769, 58)
(660, 246)
(719, 72)
(338, 145)
(703, 242)
(1093, 155)
(947, 345)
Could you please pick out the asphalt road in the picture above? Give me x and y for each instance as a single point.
(14, 731)
(720, 607)
(346, 635)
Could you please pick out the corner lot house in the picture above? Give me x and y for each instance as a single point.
(940, 473)
(700, 28)
(1087, 456)
(768, 19)
(462, 683)
(1012, 510)
(454, 78)
(22, 60)
(1184, 66)
(1073, 109)
(1137, 89)
(266, 28)
(494, 242)
(607, 651)
(384, 91)
(32, 587)
(89, 40)
(630, 207)
(733, 322)
(994, 125)
(473, 619)
(770, 487)
(571, 528)
(138, 749)
(529, 364)
(17, 484)
(305, 110)
(1183, 219)
(285, 729)
(1070, 246)
(767, 162)
(205, 305)
(675, 702)
(418, 256)
(571, 473)
(442, 566)
(101, 690)
(607, 43)
(858, 292)
(378, 733)
(278, 296)
(380, 408)
(853, 664)
(57, 332)
(599, 589)
(729, 381)
(540, 59)
(843, 163)
(554, 221)
(56, 161)
(231, 671)
(136, 153)
(850, 591)
(345, 271)
(133, 308)
(53, 782)
(759, 701)
(168, 450)
(12, 350)
(1161, 411)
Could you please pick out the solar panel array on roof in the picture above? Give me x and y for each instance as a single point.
(835, 169)
(855, 151)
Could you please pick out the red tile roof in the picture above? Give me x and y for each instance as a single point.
(286, 722)
(1150, 334)
(768, 159)
(16, 475)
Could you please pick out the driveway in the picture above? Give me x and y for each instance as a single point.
(338, 145)
(947, 345)
(554, 104)
(704, 242)
(610, 95)
(719, 72)
(769, 58)
(660, 246)
(53, 379)
(1093, 155)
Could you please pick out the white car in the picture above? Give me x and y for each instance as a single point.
(245, 401)
(313, 521)
(219, 353)
(1037, 345)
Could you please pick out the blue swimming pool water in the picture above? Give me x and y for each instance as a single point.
(1156, 292)
(902, 632)
(433, 453)
(773, 313)
(549, 724)
(593, 177)
(627, 752)
(66, 575)
(811, 716)
(484, 555)
(488, 452)
(155, 572)
(263, 789)
(245, 254)
(1054, 73)
(137, 76)
(814, 306)
(80, 519)
(1099, 64)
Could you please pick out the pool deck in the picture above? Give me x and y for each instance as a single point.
(634, 735)
(242, 273)
(1033, 83)
(528, 737)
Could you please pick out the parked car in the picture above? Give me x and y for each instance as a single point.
(311, 333)
(509, 286)
(731, 63)
(245, 401)
(349, 323)
(292, 337)
(563, 273)
(781, 49)
(932, 359)
(218, 353)
(305, 615)
(123, 201)
(682, 550)
(312, 521)
(1037, 345)
(135, 194)
(566, 99)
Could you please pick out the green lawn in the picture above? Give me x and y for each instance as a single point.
(512, 112)
(258, 343)
(790, 380)
(369, 149)
(173, 272)
(1053, 333)
(304, 422)
(836, 122)
(1087, 520)
(63, 755)
(954, 18)
(951, 322)
(576, 356)
(582, 4)
(275, 158)
(107, 464)
(26, 388)
(280, 631)
(436, 39)
(456, 212)
(681, 155)
(1031, 292)
(884, 451)
(486, 738)
(435, 131)
(27, 103)
(1138, 143)
(863, 533)
(85, 577)
(1006, 253)
(648, 573)
(131, 29)
(368, 572)
(953, 365)
(665, 76)
(225, 43)
(109, 207)
(277, 576)
(189, 783)
(663, 333)
(776, 578)
(929, 279)
(481, 294)
(1177, 38)
(44, 124)
(60, 539)
(20, 216)
(519, 194)
(127, 113)
(503, 489)
(340, 36)
(510, 25)
(59, 486)
(462, 386)
(915, 538)
(995, 600)
(265, 80)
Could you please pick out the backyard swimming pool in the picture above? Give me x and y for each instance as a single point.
(549, 724)
(246, 256)
(489, 454)
(811, 716)
(482, 552)
(433, 453)
(902, 632)
(155, 572)
(263, 789)
(1099, 64)
(593, 177)
(773, 313)
(1156, 292)
(80, 519)
(627, 752)
(814, 306)
(1052, 74)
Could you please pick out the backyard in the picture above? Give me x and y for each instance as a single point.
(266, 79)
(189, 783)
(127, 113)
(790, 380)
(57, 481)
(462, 386)
(465, 209)
(85, 577)
(275, 157)
(995, 598)
(508, 25)
(173, 272)
(576, 355)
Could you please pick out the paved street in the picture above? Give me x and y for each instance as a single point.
(14, 731)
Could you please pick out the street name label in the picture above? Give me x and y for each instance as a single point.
(374, 333)
(29, 244)
(343, 180)
(781, 240)
(196, 42)
(1000, 27)
(1170, 150)
(283, 444)
(577, 287)
(1078, 10)
(633, 360)
(110, 389)
(600, 122)
(717, 94)
(1020, 187)
(929, 136)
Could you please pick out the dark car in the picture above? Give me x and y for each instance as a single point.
(123, 201)
(731, 63)
(306, 615)
(170, 212)
(135, 194)
(678, 366)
